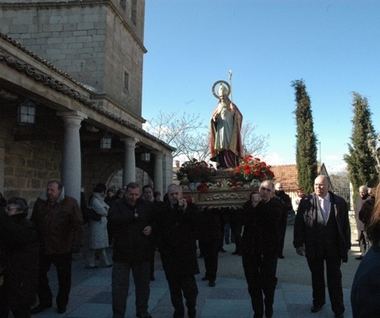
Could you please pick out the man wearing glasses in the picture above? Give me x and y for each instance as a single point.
(260, 251)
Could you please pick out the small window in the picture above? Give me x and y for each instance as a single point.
(123, 4)
(134, 12)
(126, 82)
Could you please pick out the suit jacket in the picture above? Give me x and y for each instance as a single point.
(126, 224)
(262, 228)
(176, 241)
(306, 225)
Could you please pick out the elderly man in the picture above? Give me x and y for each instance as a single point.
(130, 224)
(363, 197)
(322, 234)
(58, 221)
(176, 224)
(260, 248)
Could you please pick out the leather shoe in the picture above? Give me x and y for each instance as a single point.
(211, 284)
(204, 278)
(339, 315)
(316, 308)
(61, 309)
(39, 308)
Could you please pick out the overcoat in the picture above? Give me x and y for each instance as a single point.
(176, 238)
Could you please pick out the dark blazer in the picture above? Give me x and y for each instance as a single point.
(125, 225)
(176, 238)
(365, 291)
(262, 227)
(306, 226)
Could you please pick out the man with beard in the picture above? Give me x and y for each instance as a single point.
(176, 225)
(58, 221)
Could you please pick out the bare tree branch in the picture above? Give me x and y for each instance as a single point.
(190, 135)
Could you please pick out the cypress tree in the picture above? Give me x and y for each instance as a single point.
(306, 150)
(360, 162)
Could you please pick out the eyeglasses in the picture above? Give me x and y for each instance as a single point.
(266, 189)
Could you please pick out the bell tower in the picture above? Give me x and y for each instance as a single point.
(97, 42)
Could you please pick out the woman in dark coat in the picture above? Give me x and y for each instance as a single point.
(19, 258)
(365, 291)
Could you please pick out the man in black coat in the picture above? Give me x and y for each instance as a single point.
(209, 238)
(260, 247)
(287, 209)
(322, 234)
(19, 251)
(130, 223)
(176, 243)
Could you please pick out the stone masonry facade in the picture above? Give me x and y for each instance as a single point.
(95, 41)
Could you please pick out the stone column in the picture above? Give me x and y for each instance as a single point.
(129, 165)
(168, 170)
(158, 172)
(71, 158)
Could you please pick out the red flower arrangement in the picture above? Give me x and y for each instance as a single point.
(251, 168)
(195, 171)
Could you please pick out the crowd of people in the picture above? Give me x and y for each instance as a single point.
(134, 223)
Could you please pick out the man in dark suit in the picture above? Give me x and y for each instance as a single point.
(322, 234)
(260, 247)
(176, 243)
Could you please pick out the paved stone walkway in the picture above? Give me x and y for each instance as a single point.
(91, 291)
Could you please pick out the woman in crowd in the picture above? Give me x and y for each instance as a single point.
(18, 260)
(365, 292)
(98, 234)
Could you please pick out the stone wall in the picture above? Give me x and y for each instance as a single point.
(97, 44)
(27, 164)
(123, 56)
(71, 38)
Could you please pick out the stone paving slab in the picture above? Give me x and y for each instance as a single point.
(91, 290)
(92, 298)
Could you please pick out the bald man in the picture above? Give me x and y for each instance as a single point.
(176, 225)
(322, 234)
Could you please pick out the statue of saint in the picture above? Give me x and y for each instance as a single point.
(225, 142)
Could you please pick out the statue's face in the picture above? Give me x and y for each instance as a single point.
(222, 90)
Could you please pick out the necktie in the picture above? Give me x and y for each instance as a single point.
(324, 210)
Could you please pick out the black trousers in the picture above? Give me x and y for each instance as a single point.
(236, 228)
(283, 225)
(182, 284)
(260, 273)
(19, 310)
(120, 287)
(334, 281)
(62, 263)
(22, 311)
(209, 250)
